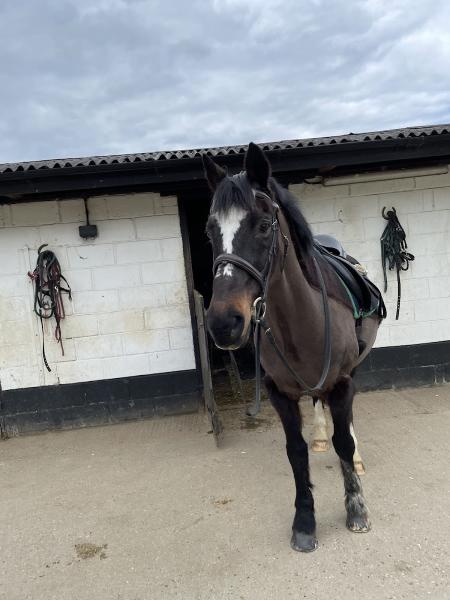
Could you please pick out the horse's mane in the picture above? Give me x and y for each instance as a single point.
(303, 242)
(236, 191)
(300, 231)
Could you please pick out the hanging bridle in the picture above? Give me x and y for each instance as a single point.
(394, 251)
(259, 308)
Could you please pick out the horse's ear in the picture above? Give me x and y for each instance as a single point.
(213, 173)
(257, 166)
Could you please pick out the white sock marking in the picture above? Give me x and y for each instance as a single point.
(320, 422)
(356, 456)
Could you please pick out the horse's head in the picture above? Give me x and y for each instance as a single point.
(241, 230)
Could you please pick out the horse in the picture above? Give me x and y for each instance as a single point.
(267, 271)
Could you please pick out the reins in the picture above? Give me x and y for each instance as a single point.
(259, 311)
(48, 300)
(393, 250)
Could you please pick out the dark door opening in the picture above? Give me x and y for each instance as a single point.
(196, 207)
(196, 210)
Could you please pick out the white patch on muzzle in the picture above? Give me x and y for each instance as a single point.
(229, 225)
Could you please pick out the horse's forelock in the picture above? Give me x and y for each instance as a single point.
(233, 192)
(236, 192)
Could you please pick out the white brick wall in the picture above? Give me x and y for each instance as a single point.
(130, 313)
(351, 211)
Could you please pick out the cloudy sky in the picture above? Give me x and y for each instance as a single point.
(83, 77)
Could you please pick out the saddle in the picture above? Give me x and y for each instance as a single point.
(365, 297)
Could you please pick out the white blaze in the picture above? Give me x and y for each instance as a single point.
(229, 225)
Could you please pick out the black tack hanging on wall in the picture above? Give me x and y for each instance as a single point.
(394, 250)
(48, 299)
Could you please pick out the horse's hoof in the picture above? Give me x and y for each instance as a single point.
(320, 446)
(359, 467)
(303, 542)
(359, 524)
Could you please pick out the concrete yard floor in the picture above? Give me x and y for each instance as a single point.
(152, 509)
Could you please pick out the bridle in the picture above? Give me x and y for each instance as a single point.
(262, 277)
(259, 307)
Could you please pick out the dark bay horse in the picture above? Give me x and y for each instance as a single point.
(263, 246)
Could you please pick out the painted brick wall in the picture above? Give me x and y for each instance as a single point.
(130, 313)
(351, 211)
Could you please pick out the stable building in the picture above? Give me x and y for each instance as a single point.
(130, 335)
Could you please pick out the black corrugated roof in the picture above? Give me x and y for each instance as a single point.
(374, 136)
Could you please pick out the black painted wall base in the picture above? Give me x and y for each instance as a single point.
(98, 402)
(384, 368)
(116, 400)
(405, 366)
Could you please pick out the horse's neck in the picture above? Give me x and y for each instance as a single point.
(289, 289)
(289, 282)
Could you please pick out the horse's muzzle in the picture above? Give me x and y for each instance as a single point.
(227, 328)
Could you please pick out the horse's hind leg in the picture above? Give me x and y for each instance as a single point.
(357, 460)
(320, 435)
(320, 441)
(340, 400)
(304, 526)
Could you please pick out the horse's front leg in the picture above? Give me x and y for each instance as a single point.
(304, 525)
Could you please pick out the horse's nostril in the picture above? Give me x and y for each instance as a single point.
(226, 327)
(237, 321)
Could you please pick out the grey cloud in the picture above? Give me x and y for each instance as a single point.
(87, 77)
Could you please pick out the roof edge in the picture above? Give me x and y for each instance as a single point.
(62, 164)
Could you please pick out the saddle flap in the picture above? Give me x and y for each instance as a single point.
(364, 292)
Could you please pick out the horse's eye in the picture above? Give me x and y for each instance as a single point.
(264, 226)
